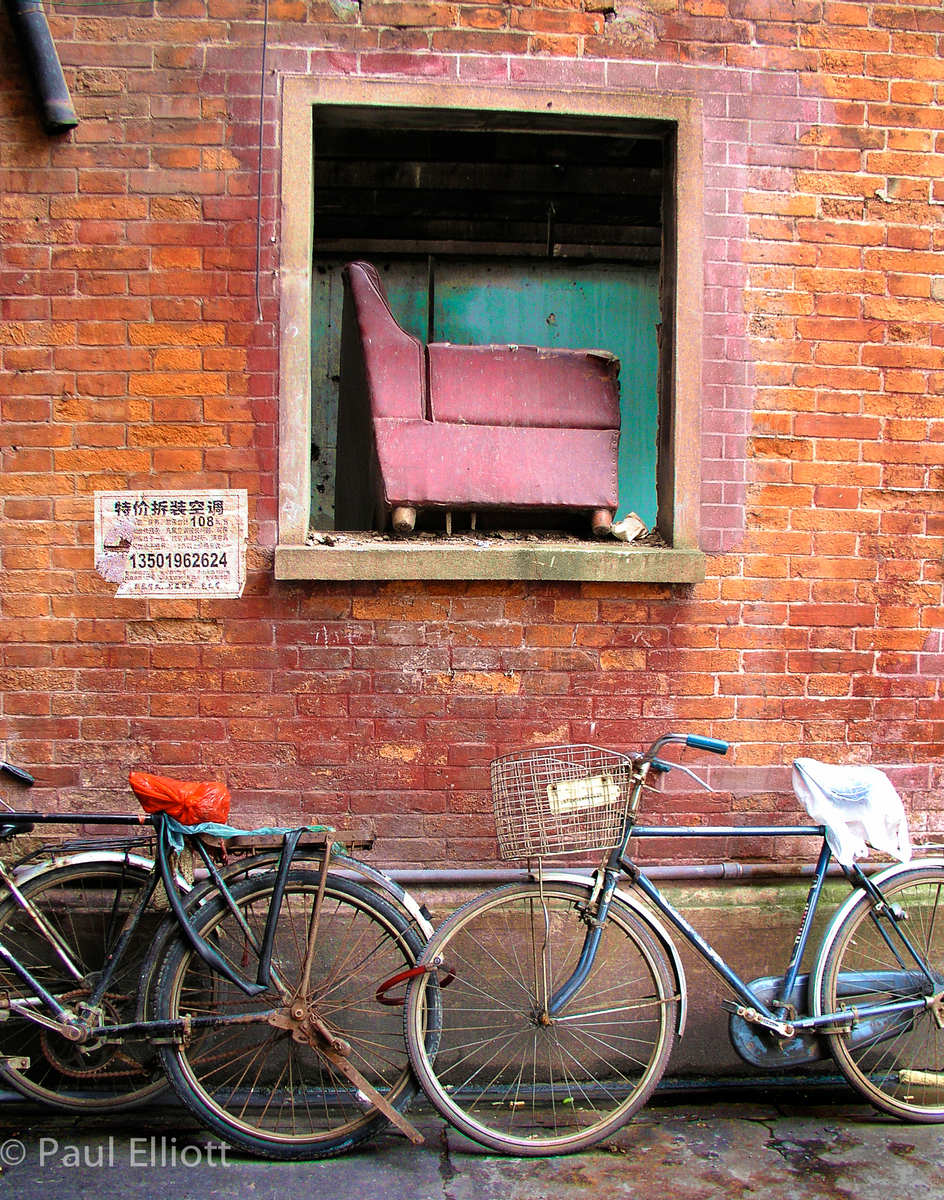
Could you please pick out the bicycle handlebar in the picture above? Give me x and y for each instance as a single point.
(694, 741)
(715, 745)
(17, 773)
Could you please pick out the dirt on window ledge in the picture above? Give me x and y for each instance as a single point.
(485, 539)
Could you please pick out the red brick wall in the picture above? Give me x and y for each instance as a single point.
(132, 356)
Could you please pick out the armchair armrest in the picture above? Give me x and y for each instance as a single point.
(387, 361)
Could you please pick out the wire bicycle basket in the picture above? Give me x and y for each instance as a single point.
(559, 800)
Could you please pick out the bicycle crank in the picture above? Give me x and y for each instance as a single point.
(781, 1028)
(307, 1027)
(71, 1032)
(89, 1059)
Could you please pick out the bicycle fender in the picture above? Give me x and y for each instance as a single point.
(819, 966)
(394, 891)
(654, 925)
(345, 867)
(87, 856)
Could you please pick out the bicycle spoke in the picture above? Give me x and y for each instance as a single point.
(507, 1075)
(894, 1060)
(257, 1086)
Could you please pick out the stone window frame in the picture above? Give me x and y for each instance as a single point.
(680, 561)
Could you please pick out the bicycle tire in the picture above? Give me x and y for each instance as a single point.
(85, 903)
(500, 1075)
(896, 1063)
(253, 1084)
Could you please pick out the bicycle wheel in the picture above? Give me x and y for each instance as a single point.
(897, 1060)
(86, 905)
(504, 1073)
(255, 1084)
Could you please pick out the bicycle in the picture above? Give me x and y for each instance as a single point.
(567, 994)
(254, 992)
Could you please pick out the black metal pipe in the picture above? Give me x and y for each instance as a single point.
(32, 32)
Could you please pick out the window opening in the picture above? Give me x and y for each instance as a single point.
(493, 227)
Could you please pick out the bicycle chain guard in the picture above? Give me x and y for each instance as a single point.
(760, 1047)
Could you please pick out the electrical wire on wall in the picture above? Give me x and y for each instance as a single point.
(262, 88)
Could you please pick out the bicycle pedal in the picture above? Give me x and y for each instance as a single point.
(753, 1017)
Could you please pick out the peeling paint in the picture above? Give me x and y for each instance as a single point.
(400, 753)
(492, 683)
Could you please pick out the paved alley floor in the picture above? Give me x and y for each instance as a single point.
(769, 1143)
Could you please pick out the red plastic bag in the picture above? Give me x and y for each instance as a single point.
(189, 803)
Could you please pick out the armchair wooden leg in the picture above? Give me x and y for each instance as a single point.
(403, 519)
(601, 522)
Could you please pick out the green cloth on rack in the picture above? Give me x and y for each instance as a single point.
(177, 832)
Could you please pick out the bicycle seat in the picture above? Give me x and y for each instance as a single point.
(188, 803)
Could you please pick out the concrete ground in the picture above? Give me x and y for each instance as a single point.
(746, 1141)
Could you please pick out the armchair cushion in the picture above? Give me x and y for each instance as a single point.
(523, 386)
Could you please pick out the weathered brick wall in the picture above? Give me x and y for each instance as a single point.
(132, 355)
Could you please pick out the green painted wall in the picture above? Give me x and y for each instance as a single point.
(550, 304)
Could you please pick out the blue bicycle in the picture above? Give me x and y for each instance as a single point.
(566, 993)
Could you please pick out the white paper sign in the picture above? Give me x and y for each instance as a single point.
(569, 795)
(185, 545)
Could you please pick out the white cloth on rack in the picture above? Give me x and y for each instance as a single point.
(858, 805)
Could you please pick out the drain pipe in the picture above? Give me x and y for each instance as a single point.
(493, 877)
(32, 32)
(680, 873)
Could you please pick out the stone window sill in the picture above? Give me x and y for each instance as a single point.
(578, 562)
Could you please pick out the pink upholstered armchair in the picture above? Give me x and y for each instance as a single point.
(467, 427)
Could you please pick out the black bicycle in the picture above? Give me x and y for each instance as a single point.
(252, 986)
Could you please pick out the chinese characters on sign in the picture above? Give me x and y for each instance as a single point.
(184, 545)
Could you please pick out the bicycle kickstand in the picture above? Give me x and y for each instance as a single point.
(308, 1028)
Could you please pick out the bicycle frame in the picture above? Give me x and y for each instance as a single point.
(161, 870)
(79, 1030)
(774, 1015)
(85, 1025)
